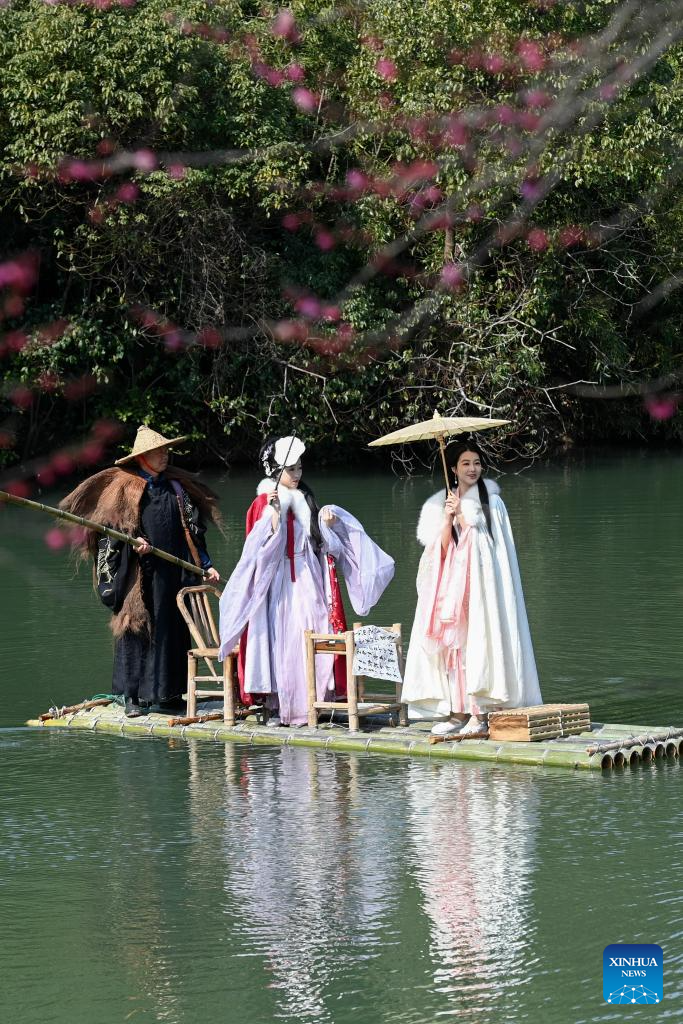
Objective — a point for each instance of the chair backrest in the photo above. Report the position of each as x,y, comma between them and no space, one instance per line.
195,608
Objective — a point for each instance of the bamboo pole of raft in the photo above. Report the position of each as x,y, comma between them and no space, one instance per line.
89,524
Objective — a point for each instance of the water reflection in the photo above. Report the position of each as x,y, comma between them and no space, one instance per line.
473,832
315,851
307,867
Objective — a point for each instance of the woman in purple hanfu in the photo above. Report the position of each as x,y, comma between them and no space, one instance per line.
285,582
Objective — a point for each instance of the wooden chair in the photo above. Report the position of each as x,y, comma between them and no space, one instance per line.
195,608
358,703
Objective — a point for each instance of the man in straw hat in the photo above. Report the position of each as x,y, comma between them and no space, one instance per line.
160,507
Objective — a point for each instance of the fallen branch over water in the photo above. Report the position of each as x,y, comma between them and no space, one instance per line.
213,716
73,708
459,738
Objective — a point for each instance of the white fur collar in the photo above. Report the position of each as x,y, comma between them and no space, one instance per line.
290,497
431,516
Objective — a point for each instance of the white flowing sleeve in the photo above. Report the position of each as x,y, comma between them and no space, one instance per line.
247,588
367,569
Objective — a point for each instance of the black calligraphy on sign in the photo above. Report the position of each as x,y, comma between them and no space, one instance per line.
376,654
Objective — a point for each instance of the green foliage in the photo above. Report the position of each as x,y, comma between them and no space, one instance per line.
207,248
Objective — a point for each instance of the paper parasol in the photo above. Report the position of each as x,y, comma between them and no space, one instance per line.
436,429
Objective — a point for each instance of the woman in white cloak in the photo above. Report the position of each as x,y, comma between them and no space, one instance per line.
286,582
470,648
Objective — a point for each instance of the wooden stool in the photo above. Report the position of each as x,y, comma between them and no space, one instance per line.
358,702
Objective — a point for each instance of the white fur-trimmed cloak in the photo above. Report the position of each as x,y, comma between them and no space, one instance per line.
470,647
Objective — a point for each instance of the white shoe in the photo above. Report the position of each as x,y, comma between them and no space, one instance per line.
446,728
474,728
273,722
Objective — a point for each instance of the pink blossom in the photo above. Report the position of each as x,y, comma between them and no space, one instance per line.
356,179
291,222
16,340
177,171
144,160
386,69
330,313
537,98
433,194
46,477
210,337
452,277
56,539
456,133
91,453
418,170
79,170
661,407
173,340
325,240
494,64
505,115
537,240
47,381
284,26
105,147
531,190
308,306
21,396
295,73
608,92
531,56
571,235
291,330
19,274
18,487
107,431
528,121
62,464
127,193
305,99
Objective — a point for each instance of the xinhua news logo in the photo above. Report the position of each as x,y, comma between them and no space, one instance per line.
633,974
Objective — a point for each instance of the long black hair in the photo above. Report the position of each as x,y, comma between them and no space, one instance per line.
453,452
272,470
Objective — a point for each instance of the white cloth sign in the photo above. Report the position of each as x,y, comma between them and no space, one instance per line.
375,653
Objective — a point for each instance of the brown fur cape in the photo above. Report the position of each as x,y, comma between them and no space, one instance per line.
112,498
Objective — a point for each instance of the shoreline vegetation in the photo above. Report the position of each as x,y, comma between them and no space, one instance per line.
202,204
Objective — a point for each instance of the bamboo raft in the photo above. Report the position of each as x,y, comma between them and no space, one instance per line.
601,748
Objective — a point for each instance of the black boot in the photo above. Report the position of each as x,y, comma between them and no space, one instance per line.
132,709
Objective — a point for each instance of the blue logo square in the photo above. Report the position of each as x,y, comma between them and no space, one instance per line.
633,974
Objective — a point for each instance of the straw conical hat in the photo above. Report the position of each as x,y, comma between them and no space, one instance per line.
147,440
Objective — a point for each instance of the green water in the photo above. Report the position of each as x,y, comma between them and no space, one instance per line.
185,883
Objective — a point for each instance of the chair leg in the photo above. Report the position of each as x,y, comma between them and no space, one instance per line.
228,691
351,688
191,686
310,679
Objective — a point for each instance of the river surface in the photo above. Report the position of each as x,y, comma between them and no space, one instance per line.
185,883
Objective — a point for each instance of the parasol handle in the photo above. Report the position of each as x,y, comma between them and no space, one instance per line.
442,449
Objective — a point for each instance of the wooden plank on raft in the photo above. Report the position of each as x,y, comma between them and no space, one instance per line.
540,722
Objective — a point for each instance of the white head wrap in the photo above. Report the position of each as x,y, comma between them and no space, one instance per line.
286,451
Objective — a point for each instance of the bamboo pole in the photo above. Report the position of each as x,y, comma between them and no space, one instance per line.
89,524
442,449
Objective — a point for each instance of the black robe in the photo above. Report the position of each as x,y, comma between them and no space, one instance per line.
152,667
